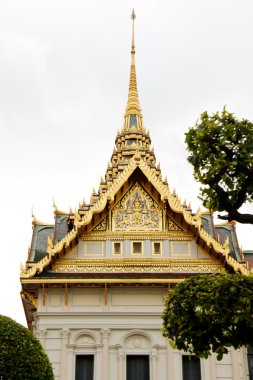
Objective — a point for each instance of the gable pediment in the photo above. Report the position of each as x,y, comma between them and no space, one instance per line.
137,202
137,211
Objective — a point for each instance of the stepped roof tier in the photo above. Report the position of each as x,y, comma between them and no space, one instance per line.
132,205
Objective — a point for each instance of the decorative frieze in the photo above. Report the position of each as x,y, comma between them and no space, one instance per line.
122,265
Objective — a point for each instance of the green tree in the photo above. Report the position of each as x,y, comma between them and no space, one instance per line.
221,152
210,313
21,354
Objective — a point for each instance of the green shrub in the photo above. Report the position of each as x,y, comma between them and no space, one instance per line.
21,354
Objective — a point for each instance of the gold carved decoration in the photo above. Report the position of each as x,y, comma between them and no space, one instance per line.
172,226
30,298
166,195
137,211
123,265
101,226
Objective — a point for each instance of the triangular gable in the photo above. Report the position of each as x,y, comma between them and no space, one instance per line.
193,221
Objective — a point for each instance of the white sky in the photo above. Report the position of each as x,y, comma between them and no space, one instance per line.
64,73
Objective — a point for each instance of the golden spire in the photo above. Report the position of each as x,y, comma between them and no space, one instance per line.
133,106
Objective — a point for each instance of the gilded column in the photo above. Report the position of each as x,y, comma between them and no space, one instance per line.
105,353
64,341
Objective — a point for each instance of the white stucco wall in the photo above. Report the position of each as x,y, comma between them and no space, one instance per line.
125,320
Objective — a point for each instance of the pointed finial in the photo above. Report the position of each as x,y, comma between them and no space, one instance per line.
133,17
54,205
133,106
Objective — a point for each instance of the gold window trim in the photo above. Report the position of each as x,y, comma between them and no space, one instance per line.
153,248
132,247
113,250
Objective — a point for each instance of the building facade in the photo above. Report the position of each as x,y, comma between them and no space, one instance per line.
94,282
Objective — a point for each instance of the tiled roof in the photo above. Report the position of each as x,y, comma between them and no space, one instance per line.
222,232
61,227
207,224
39,241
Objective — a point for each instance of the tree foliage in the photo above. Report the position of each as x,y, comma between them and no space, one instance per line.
221,152
210,313
21,354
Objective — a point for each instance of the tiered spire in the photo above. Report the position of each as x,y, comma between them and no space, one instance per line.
132,138
133,106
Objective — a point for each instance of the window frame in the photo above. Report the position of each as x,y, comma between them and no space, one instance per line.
113,248
82,355
132,247
153,248
147,356
190,374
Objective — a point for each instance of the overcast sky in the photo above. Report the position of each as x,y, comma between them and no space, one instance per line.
64,74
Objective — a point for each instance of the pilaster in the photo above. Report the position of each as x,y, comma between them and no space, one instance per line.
154,363
121,357
170,362
41,335
63,367
105,353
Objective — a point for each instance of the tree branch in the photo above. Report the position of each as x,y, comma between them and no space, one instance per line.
238,217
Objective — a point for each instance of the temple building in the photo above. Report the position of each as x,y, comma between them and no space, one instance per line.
94,283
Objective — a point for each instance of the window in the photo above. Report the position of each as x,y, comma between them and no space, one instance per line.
191,368
137,367
250,362
84,367
117,248
157,248
137,247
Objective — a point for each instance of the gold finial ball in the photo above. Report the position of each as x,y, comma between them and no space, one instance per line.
133,17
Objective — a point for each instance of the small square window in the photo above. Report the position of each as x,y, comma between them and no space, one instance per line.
157,249
117,248
137,247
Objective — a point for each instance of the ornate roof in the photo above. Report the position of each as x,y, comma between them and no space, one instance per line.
132,154
132,138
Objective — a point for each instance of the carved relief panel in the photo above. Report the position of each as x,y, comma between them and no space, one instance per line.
137,342
137,211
